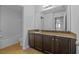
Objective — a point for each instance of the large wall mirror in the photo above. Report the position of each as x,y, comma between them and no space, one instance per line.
60,23
54,19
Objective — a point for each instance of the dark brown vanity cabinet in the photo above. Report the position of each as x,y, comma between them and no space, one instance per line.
52,44
62,45
31,39
38,41
47,43
72,46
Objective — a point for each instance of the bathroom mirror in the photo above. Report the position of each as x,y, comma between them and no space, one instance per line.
60,23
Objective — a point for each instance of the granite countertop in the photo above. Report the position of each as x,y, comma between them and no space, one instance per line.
61,34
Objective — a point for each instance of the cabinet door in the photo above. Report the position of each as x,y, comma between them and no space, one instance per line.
31,39
72,46
47,43
38,41
62,45
53,45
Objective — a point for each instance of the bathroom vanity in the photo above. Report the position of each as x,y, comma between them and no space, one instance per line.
53,42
